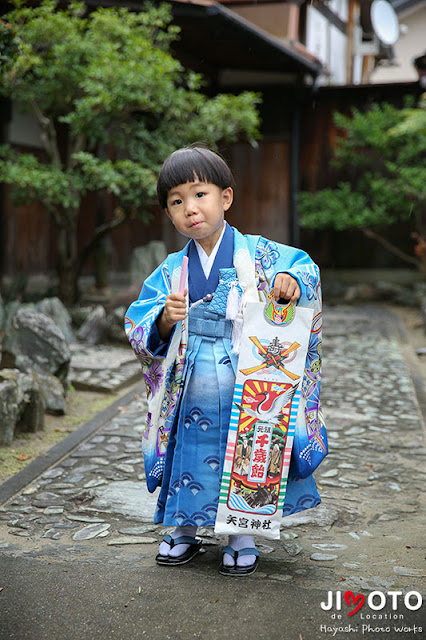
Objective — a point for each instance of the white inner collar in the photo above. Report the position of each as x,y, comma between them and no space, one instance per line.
207,261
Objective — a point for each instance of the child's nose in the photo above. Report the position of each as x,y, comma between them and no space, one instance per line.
191,207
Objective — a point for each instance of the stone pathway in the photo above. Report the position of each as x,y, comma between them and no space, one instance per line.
368,533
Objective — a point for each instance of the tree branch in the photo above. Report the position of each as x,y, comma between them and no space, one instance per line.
100,232
389,246
79,145
48,134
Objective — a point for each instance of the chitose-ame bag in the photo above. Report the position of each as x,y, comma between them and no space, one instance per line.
266,415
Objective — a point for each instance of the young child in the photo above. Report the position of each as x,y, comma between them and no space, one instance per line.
188,346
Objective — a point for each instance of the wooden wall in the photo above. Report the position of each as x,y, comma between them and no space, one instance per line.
29,238
262,176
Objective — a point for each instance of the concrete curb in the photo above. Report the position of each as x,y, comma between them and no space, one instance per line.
13,485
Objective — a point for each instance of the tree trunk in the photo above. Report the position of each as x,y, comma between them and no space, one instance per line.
68,258
101,257
101,253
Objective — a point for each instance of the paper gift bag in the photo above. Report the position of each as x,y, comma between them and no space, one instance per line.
265,405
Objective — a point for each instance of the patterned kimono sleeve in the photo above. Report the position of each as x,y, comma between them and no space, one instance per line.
141,316
273,258
162,369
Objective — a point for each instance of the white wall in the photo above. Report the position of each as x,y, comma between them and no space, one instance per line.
326,42
340,8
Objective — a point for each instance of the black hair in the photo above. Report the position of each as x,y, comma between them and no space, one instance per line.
188,165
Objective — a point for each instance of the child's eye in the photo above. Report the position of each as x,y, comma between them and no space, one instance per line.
200,194
176,202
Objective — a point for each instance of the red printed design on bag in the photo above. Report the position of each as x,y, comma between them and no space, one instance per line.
261,440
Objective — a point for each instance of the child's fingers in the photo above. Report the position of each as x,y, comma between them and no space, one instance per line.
286,287
175,307
278,286
296,293
293,291
176,301
176,297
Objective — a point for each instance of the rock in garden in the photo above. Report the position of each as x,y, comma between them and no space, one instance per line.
115,324
52,393
390,291
79,314
145,259
21,405
31,419
9,311
360,292
93,329
9,409
55,309
34,341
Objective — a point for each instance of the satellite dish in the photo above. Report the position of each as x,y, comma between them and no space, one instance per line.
379,18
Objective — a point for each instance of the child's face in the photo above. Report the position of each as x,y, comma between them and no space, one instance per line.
197,210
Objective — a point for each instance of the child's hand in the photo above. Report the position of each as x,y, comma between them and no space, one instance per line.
285,286
174,310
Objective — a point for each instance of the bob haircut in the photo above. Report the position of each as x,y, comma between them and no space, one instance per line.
190,164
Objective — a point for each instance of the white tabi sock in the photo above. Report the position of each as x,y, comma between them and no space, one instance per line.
238,543
179,549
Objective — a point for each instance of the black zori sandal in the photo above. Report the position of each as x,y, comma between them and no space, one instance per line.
239,571
191,552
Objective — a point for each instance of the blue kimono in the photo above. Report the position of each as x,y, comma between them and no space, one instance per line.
190,380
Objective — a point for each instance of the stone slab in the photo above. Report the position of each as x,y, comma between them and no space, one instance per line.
127,498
